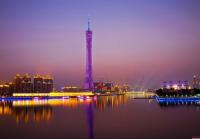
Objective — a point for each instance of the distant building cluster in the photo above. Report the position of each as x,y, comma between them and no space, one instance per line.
101,87
196,82
25,84
176,85
108,87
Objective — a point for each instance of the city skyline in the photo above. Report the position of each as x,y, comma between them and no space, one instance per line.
136,42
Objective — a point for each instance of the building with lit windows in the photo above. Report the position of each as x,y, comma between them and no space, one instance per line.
22,84
4,90
101,87
17,83
11,87
196,82
43,84
38,83
178,85
47,84
26,84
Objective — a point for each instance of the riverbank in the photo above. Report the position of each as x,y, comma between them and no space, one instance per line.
54,95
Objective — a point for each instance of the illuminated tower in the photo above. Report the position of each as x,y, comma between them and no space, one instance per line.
89,79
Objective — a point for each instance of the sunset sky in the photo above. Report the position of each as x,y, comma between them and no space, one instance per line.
139,42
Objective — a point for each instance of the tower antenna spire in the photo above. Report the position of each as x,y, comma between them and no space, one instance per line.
88,23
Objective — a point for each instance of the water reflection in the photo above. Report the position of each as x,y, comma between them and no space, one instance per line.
24,113
42,109
110,101
177,104
38,110
89,108
50,110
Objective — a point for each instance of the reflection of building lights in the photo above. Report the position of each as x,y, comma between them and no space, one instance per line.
95,97
177,100
53,94
87,97
35,98
53,102
42,109
67,97
30,94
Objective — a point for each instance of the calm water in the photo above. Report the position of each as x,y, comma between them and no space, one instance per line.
116,117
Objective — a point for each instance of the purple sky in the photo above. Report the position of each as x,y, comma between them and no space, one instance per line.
140,42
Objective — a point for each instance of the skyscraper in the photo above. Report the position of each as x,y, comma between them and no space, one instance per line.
18,83
89,78
26,84
196,82
43,84
47,84
38,84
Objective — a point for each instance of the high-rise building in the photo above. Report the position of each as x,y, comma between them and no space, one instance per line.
43,84
38,84
47,84
17,83
89,78
11,88
196,82
4,90
26,84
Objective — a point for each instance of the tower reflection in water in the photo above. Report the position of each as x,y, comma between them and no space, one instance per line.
42,109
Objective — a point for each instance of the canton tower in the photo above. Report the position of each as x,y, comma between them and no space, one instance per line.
89,78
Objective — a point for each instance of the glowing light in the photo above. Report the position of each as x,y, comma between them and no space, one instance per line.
29,94
95,97
172,100
69,87
87,97
4,85
54,102
53,94
66,97
71,94
135,93
175,86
